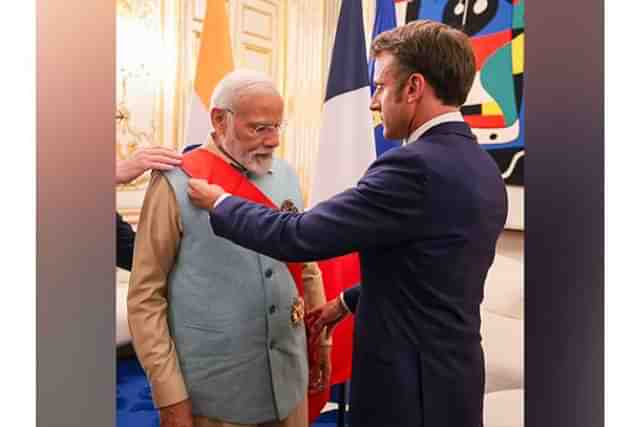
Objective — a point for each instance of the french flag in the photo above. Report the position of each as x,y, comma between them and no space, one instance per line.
346,145
346,149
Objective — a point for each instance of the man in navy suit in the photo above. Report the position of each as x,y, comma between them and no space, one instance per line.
425,219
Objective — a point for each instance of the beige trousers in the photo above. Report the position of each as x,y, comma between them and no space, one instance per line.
297,418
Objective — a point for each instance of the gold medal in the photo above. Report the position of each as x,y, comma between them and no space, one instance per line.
288,206
297,311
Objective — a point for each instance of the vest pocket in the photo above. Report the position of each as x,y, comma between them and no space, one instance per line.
200,344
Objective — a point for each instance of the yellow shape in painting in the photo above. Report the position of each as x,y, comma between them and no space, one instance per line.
491,109
377,119
517,49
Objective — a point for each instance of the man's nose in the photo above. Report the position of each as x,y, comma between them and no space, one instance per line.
272,140
374,105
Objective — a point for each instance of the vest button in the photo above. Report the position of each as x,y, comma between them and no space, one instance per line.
272,309
268,273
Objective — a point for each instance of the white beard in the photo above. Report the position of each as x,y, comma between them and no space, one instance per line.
259,165
253,161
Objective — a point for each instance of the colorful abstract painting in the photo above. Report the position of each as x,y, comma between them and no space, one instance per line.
495,106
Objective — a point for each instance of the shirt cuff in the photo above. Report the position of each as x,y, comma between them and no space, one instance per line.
170,391
220,199
344,305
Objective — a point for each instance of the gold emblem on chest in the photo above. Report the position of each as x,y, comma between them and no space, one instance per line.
297,311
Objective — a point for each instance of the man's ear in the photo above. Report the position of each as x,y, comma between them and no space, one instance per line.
416,85
218,120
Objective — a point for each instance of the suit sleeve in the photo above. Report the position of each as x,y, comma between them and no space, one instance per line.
125,237
385,209
351,297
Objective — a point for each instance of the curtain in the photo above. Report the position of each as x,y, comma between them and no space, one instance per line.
153,44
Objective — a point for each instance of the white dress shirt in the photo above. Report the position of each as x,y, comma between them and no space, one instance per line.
455,116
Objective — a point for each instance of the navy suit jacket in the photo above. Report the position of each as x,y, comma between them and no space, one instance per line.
425,219
125,239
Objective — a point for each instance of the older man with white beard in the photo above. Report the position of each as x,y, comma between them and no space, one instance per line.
219,329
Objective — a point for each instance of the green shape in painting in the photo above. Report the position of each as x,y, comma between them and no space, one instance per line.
518,15
497,79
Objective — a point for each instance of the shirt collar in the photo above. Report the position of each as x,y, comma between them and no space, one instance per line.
455,116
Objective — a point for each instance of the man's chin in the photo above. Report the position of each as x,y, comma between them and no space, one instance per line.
389,134
261,165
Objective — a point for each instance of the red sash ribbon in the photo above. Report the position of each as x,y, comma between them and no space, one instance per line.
204,164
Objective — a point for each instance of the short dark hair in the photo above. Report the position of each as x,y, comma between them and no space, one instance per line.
442,54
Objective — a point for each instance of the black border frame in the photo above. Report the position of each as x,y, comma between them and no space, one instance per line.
564,213
75,213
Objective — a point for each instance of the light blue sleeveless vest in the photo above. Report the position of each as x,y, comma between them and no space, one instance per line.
242,359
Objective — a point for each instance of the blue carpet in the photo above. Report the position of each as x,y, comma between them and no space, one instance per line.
134,406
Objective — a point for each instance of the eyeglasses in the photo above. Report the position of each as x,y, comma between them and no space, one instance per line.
262,130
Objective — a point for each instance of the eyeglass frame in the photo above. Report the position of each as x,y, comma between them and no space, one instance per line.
255,131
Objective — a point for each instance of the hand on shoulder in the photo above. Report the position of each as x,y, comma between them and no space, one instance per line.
145,158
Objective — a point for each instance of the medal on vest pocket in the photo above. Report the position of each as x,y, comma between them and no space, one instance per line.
297,311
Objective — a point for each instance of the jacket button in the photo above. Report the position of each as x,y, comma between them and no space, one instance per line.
272,345
268,273
272,309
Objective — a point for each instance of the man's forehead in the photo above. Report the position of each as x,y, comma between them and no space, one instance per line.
258,100
382,66
256,88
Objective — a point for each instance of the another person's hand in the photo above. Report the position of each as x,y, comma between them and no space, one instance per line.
177,415
143,159
329,315
320,370
203,194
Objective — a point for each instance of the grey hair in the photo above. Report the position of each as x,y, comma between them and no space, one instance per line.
232,84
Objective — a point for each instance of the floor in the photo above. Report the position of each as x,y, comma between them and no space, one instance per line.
134,407
504,304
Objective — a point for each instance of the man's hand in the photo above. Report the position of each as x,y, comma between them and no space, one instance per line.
203,194
177,415
143,159
329,315
320,369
